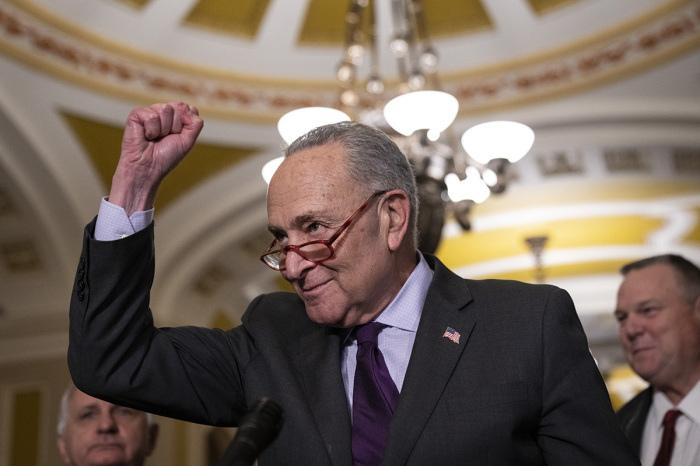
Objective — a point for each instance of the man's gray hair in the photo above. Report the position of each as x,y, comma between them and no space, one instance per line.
687,273
372,159
63,410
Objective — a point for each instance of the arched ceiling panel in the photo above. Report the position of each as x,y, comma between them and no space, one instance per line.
447,18
102,143
240,18
544,6
134,3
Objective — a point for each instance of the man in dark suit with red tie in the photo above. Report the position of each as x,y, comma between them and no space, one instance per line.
382,355
658,310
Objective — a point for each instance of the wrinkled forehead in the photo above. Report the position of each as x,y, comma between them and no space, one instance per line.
79,400
313,178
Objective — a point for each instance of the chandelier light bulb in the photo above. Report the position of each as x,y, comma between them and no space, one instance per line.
375,85
302,120
429,60
490,177
352,18
472,188
399,47
346,72
433,135
355,52
349,97
431,110
416,80
508,140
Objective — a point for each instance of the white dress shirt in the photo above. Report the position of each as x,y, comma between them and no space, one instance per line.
686,451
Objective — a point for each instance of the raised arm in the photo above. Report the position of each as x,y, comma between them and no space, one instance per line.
156,139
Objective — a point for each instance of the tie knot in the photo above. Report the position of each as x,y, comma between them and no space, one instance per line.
368,332
670,417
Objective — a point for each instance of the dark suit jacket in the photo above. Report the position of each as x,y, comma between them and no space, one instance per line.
520,387
633,416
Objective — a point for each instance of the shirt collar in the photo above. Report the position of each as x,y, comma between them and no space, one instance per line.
405,310
689,405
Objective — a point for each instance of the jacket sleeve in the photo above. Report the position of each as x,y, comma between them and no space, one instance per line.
117,354
577,421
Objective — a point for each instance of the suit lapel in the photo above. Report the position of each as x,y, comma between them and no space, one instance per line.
433,359
319,363
634,427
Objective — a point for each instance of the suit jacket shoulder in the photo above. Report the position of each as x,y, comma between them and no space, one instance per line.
519,386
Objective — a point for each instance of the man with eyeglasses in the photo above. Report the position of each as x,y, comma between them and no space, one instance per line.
381,356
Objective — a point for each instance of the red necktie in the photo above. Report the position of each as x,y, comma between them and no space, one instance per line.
663,458
374,398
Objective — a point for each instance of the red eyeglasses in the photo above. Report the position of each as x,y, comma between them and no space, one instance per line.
315,251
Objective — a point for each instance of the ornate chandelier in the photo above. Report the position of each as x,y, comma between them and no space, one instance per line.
417,115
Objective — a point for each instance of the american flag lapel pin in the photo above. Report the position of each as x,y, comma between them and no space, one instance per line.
452,334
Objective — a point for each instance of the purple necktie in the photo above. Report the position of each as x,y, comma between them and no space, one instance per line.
663,458
374,398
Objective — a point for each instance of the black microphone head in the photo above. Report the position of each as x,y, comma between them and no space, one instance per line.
256,431
266,415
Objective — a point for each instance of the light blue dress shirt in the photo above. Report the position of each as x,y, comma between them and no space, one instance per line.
395,341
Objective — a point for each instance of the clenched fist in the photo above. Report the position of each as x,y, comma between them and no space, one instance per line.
156,139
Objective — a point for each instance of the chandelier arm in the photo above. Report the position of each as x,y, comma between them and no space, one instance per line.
418,116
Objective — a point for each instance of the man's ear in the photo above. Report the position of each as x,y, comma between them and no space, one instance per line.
153,431
61,442
399,211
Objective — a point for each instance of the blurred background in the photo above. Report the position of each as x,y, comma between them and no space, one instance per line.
611,89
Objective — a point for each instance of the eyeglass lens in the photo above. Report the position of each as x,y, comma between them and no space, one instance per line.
312,252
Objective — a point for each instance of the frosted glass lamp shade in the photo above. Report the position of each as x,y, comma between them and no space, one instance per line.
431,110
270,168
472,188
298,122
508,140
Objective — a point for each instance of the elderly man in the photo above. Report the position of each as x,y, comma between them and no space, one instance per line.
381,356
658,310
92,432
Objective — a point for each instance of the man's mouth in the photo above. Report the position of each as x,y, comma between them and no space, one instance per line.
107,446
636,351
308,290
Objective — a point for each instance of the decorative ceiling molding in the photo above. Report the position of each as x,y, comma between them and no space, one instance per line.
615,55
40,40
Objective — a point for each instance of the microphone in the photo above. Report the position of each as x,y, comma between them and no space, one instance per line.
256,431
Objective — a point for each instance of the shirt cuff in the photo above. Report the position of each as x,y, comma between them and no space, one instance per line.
113,223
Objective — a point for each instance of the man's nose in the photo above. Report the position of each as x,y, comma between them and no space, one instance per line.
295,265
107,423
632,327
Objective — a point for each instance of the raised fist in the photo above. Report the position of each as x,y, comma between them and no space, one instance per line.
156,139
